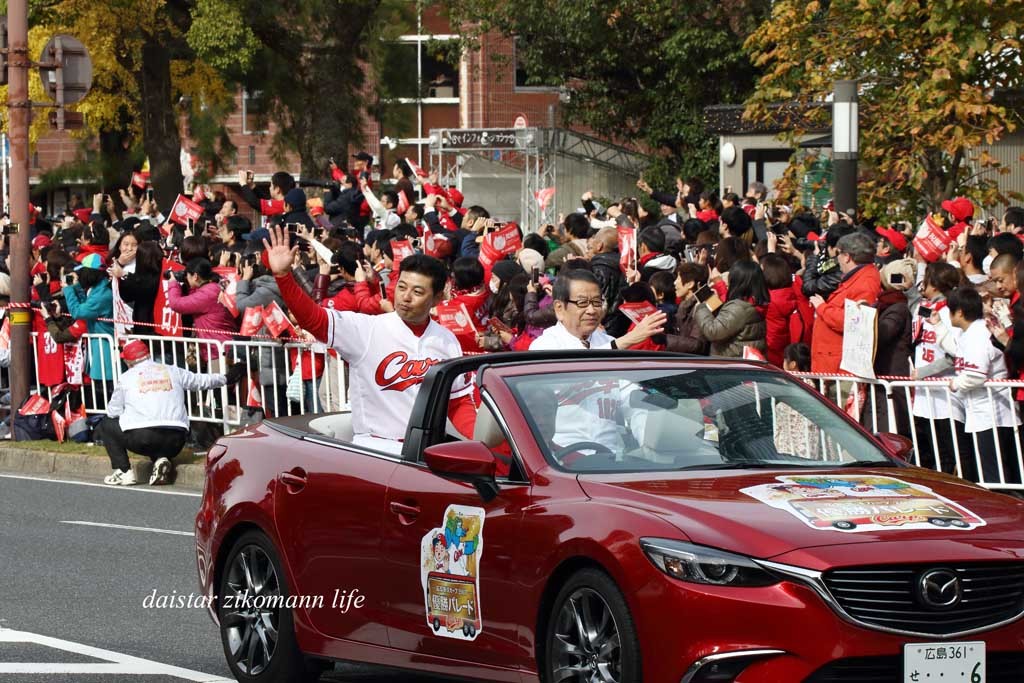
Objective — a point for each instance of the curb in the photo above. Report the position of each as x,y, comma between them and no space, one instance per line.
13,459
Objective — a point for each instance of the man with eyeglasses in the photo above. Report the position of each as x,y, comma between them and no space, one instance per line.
579,308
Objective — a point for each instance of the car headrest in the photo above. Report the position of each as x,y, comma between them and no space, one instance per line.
674,431
487,429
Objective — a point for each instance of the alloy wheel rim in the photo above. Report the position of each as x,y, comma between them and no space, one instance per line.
586,647
254,596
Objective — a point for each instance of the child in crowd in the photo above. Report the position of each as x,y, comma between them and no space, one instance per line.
988,413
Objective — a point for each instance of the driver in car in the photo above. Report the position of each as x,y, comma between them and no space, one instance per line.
388,354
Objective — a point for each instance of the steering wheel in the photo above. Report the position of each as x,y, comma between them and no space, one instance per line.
599,448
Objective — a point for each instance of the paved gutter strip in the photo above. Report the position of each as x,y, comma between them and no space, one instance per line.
25,461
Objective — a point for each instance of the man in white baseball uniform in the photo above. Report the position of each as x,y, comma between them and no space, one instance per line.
147,413
388,354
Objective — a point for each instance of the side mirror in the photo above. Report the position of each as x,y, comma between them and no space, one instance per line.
897,445
469,461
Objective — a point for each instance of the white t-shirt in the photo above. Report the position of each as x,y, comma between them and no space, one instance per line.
557,338
152,394
975,355
932,403
387,363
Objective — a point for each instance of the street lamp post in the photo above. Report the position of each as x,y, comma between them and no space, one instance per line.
845,145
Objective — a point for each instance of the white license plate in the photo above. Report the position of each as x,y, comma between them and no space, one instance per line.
953,662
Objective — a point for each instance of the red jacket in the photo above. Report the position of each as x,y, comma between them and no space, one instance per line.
863,284
781,312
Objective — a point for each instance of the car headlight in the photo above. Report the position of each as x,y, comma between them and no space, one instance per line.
700,564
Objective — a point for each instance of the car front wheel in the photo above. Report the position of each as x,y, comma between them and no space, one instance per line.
591,635
256,626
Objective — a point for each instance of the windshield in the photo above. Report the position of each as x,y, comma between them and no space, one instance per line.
674,419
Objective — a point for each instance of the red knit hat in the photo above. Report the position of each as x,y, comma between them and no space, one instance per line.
134,351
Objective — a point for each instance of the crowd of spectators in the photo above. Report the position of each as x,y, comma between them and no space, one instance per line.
727,276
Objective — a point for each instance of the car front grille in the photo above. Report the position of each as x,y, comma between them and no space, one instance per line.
889,597
1000,667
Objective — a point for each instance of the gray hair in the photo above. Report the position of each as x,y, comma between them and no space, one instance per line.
859,246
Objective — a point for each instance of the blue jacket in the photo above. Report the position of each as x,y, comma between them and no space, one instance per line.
98,303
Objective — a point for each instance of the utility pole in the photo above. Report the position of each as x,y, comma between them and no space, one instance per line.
19,109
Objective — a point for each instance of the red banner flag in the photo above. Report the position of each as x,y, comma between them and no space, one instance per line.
400,249
228,296
185,209
416,169
456,318
170,321
544,197
83,215
403,203
254,395
637,311
627,248
252,321
140,179
499,244
271,207
276,321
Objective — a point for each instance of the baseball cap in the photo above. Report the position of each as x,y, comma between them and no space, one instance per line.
134,350
94,261
959,208
296,199
455,196
40,241
364,156
257,235
896,238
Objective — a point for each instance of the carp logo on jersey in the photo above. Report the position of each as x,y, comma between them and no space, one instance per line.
397,373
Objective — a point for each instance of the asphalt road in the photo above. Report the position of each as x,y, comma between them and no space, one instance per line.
73,589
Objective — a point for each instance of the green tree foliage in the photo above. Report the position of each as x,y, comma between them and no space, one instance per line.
931,75
638,71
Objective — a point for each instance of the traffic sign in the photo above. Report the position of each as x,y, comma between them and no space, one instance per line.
65,69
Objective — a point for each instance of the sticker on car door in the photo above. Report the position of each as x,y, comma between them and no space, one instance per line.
450,558
853,503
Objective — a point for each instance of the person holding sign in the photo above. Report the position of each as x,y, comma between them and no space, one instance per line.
855,254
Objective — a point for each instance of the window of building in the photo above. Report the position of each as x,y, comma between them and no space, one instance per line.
524,79
252,112
764,165
415,68
252,154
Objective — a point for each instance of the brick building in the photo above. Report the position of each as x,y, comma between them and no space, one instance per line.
487,90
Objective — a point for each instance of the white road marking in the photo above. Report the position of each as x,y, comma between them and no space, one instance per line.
115,662
130,528
138,489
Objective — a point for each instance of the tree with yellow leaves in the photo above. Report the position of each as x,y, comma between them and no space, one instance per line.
931,78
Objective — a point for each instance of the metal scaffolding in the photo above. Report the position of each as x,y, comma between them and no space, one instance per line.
535,156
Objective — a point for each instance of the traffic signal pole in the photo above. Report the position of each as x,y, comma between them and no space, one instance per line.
18,110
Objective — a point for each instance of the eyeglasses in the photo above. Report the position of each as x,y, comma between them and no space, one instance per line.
587,303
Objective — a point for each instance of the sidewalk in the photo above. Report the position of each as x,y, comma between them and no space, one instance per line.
94,465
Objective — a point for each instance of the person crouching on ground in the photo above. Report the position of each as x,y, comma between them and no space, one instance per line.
147,413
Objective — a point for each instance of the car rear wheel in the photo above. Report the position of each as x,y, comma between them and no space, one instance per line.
256,626
591,635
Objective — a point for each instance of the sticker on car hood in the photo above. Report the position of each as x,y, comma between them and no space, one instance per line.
853,503
450,558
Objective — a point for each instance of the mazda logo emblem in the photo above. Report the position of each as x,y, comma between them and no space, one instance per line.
940,588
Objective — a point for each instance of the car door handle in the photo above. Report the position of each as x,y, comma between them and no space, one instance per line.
294,480
406,513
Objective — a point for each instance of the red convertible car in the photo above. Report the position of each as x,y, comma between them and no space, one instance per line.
616,517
